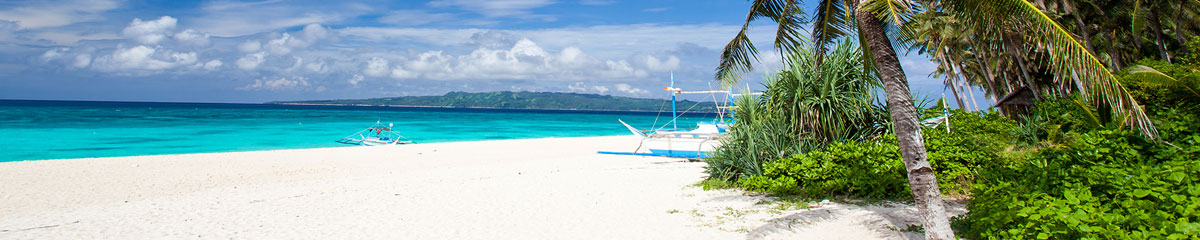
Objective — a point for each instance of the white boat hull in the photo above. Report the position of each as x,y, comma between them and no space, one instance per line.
681,147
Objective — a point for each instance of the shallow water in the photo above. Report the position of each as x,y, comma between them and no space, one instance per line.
38,130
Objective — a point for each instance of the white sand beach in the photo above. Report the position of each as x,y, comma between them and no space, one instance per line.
553,188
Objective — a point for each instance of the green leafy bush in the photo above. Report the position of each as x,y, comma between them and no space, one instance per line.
853,169
1105,184
874,169
974,140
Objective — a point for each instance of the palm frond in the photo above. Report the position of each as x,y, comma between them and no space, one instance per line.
739,54
830,22
1064,54
892,12
1154,77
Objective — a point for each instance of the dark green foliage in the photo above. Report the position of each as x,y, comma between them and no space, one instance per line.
1177,88
804,107
853,169
873,169
523,100
1105,184
1192,57
974,142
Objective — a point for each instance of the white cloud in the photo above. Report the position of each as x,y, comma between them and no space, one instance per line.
82,60
600,89
192,37
213,65
54,53
249,46
251,61
626,88
149,32
377,67
142,57
316,67
278,84
280,46
494,8
400,73
654,64
357,78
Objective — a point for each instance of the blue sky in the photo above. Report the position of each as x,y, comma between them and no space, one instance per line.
257,51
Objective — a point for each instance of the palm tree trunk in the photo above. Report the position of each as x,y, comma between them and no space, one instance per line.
1179,14
1013,49
991,81
950,78
1083,30
1158,39
970,90
1113,53
904,117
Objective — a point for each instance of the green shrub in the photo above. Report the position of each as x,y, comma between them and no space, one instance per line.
1105,184
853,169
874,169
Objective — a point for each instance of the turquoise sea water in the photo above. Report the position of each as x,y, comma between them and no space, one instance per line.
38,130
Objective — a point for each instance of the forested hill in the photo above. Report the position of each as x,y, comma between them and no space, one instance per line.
521,100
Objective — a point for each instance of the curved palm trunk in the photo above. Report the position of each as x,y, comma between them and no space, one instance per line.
904,117
1158,39
1013,49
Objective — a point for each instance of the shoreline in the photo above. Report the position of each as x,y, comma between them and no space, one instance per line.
547,188
303,148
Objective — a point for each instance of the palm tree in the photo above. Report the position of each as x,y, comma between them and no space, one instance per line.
872,20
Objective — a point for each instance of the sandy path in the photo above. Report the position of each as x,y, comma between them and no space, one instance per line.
535,188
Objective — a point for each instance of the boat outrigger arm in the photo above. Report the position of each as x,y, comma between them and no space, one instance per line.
698,142
376,135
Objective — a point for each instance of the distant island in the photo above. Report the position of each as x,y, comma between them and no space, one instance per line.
520,100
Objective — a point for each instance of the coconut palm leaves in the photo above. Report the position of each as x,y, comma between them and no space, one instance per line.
740,53
1066,56
1152,76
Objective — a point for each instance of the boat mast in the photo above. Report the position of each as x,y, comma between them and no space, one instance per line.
674,115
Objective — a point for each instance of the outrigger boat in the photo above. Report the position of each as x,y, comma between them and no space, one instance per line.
376,135
691,143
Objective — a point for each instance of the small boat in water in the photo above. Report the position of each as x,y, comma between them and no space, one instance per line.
691,143
376,135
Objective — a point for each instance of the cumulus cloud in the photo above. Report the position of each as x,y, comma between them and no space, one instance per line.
143,57
213,65
316,67
600,89
192,37
82,60
149,32
626,88
357,78
251,61
53,53
654,64
377,67
278,84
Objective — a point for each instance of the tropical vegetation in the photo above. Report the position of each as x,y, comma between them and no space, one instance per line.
1113,85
